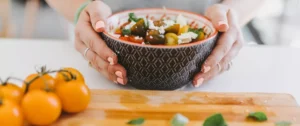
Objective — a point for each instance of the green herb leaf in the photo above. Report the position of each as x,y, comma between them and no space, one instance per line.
126,32
283,123
138,121
215,120
179,120
258,116
132,17
196,31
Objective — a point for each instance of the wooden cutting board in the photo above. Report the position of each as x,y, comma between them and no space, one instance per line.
117,107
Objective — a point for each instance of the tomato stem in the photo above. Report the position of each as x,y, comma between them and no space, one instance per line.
43,72
73,77
47,89
4,83
1,102
66,77
42,69
14,78
29,82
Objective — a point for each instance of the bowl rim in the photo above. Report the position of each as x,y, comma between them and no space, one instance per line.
214,35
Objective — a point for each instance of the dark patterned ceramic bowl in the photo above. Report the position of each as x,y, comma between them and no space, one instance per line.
157,67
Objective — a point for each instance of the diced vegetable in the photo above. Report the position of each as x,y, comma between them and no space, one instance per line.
258,116
138,121
154,38
184,29
126,32
171,39
132,17
215,120
173,29
139,28
179,120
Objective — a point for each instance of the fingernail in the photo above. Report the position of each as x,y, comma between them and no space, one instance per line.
119,74
110,60
120,80
199,82
100,25
115,82
223,26
206,69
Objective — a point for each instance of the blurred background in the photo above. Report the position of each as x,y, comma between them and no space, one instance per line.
277,24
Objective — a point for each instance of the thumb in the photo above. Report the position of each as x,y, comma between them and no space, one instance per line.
98,14
218,16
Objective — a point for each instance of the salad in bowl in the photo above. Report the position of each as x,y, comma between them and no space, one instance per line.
163,31
161,49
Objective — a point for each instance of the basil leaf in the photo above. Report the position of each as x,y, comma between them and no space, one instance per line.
179,120
283,123
138,121
132,17
126,32
215,120
258,116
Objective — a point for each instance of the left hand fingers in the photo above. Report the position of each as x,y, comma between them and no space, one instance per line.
218,14
223,45
200,78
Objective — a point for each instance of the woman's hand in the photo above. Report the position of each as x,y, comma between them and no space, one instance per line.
92,47
227,47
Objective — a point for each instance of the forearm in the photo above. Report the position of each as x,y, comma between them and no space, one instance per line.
245,9
67,8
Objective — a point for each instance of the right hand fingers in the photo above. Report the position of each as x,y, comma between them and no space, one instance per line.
85,32
116,73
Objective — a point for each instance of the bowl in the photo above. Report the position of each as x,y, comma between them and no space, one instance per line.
160,67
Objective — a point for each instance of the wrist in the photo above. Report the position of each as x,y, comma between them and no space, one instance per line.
80,9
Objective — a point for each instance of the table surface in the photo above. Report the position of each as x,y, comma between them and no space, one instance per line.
269,69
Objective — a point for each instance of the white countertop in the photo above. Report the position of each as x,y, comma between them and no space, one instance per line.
270,69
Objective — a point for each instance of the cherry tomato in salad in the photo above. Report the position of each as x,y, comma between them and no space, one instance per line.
135,39
171,39
173,29
184,29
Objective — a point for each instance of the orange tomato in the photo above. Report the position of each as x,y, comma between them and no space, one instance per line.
41,107
201,36
60,77
39,83
10,113
183,29
12,92
74,95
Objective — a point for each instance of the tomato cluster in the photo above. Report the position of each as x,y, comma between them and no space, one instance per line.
43,97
